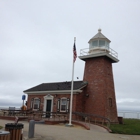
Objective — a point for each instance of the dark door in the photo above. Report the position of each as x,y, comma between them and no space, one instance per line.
48,108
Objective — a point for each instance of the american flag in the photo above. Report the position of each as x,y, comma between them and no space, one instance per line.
74,53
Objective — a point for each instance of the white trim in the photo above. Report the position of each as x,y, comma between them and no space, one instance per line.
33,103
55,92
67,105
48,97
58,105
61,104
114,59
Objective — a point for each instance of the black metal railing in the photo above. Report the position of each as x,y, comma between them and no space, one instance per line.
91,119
57,116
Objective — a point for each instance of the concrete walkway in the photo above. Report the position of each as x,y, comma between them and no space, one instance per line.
61,132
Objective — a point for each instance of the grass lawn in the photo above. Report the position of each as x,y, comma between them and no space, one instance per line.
130,126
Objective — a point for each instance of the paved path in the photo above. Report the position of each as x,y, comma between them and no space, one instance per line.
60,132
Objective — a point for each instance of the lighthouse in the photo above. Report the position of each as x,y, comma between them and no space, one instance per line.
100,91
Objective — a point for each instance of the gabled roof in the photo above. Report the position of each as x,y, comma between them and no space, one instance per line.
59,86
99,35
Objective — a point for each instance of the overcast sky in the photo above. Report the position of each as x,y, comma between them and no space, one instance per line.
36,42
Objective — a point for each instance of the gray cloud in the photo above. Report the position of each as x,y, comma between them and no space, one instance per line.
36,39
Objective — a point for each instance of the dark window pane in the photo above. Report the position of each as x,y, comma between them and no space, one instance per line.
35,106
63,107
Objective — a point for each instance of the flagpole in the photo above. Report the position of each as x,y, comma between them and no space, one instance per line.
70,115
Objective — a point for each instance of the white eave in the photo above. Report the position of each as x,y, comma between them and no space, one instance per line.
114,59
54,92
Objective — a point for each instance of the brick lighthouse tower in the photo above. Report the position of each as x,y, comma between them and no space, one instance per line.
98,73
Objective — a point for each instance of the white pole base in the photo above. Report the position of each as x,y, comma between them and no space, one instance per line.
69,125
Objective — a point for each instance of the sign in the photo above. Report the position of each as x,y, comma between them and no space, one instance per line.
23,97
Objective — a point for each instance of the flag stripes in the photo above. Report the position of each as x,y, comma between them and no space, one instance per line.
74,53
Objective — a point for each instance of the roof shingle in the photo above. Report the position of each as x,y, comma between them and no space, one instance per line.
58,86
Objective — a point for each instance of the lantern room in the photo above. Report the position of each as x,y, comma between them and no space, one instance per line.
99,45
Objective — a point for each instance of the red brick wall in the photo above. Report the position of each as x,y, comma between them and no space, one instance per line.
55,99
80,102
98,73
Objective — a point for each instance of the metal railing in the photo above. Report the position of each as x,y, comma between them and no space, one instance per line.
7,112
91,119
85,118
129,114
87,51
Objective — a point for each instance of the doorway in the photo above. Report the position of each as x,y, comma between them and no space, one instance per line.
48,108
48,105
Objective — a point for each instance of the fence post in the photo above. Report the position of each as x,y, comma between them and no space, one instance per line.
31,129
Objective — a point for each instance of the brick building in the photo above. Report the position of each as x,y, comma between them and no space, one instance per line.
95,94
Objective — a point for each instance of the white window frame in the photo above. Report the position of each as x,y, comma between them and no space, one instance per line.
63,104
33,103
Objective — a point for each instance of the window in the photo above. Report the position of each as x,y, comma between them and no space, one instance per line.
63,105
35,103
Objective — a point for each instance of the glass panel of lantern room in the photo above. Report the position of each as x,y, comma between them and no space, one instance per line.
101,43
90,45
107,44
94,43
